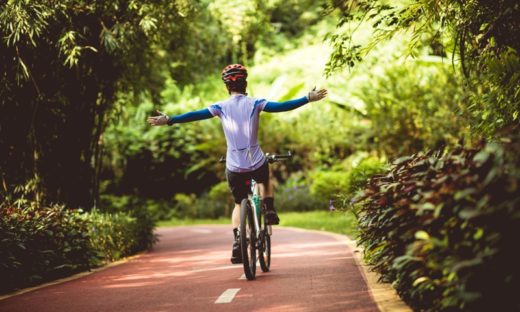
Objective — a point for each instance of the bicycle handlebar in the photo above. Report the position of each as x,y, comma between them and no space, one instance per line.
271,158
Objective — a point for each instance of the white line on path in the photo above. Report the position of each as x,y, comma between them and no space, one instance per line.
242,277
227,296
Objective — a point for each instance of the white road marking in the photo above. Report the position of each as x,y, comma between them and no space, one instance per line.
242,277
227,296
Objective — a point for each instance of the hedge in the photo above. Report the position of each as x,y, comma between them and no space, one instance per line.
443,228
38,244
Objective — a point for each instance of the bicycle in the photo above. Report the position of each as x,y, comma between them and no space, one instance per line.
254,232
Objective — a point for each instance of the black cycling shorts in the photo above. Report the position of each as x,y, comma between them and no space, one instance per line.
237,181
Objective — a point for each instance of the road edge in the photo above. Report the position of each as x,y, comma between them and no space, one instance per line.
384,295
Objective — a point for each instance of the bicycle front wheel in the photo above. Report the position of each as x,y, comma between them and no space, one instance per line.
248,239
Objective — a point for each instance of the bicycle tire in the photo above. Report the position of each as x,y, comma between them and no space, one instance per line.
248,239
264,249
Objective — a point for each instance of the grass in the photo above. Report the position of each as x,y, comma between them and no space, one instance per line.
179,222
336,222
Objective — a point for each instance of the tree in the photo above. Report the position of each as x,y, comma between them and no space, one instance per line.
482,36
63,68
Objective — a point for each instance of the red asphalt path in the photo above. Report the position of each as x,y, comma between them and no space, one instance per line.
189,269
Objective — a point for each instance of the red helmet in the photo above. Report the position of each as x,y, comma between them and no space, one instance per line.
234,72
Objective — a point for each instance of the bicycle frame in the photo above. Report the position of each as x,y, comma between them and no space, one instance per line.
255,200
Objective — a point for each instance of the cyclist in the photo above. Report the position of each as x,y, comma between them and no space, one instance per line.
239,115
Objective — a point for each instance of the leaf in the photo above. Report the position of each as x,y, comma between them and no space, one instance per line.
420,280
481,157
402,160
464,193
469,213
478,234
422,235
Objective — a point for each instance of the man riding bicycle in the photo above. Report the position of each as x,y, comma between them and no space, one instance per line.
239,115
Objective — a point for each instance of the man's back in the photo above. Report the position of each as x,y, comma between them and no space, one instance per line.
240,116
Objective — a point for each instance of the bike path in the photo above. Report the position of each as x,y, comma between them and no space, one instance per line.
189,270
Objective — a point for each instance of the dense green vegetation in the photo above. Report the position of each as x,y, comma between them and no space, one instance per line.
435,82
42,243
441,227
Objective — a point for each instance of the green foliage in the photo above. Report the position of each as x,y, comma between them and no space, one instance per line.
185,205
135,206
116,235
214,204
413,106
327,185
220,196
297,197
362,172
342,185
441,228
156,163
40,243
65,66
382,108
495,95
482,37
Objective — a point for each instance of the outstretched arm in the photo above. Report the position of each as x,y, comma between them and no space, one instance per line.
191,116
163,119
275,107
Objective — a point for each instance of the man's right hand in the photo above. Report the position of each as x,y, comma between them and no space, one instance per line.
160,120
316,95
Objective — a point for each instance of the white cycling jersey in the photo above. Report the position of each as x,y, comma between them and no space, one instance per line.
240,116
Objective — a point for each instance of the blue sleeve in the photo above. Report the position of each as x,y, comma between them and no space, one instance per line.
275,107
191,116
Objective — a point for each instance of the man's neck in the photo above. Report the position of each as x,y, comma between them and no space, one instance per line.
236,93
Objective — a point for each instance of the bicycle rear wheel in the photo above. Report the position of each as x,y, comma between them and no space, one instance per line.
248,239
264,248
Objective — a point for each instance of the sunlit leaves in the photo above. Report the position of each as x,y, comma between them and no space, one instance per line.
148,24
483,38
23,21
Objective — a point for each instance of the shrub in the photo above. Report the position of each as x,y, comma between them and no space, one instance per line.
358,177
297,198
326,185
143,212
360,174
341,186
38,244
221,199
185,205
44,243
444,228
147,208
116,235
